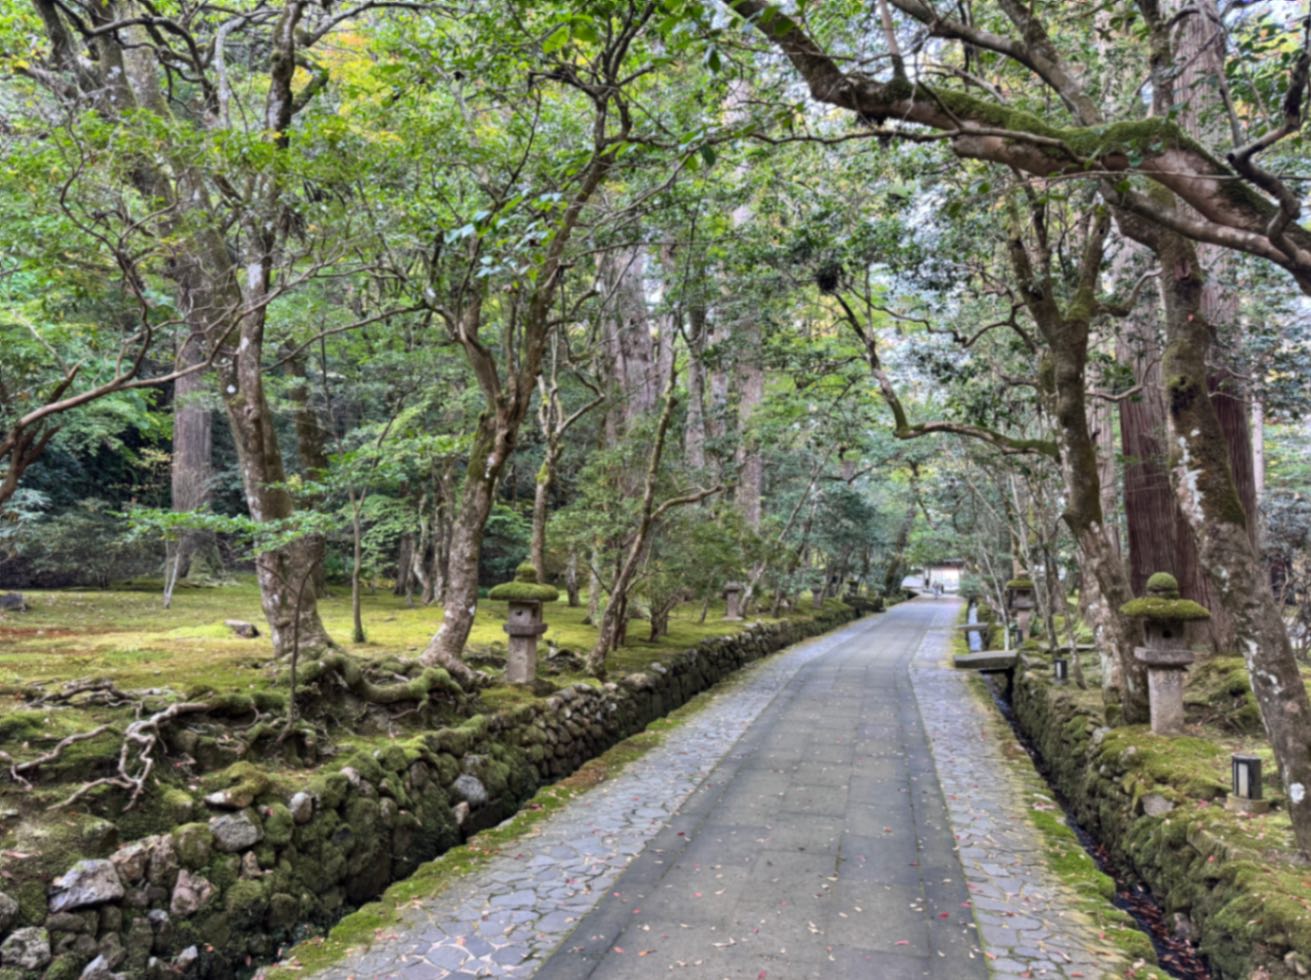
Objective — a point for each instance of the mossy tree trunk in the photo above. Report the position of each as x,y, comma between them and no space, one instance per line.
1210,499
1065,332
491,446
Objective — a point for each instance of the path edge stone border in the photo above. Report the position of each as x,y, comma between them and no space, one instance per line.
974,727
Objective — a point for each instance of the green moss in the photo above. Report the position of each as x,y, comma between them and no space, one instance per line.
1020,583
194,843
66,967
23,725
243,780
1163,584
223,871
1156,608
270,702
524,592
246,901
278,824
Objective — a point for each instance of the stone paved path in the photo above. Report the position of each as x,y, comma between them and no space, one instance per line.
793,828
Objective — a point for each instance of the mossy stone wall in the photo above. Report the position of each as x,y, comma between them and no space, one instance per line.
274,865
1157,805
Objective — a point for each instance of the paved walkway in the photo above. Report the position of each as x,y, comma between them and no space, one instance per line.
793,828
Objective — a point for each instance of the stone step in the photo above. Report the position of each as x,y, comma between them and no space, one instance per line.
986,660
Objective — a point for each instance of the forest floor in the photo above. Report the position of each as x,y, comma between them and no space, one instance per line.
125,634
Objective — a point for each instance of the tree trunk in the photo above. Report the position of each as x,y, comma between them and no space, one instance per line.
896,568
1211,501
357,562
289,609
571,578
1100,557
614,621
405,564
487,457
694,425
751,392
312,453
594,587
191,470
541,497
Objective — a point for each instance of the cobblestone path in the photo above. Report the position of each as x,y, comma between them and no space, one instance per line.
793,828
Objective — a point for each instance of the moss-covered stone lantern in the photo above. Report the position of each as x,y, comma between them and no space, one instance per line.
733,600
817,592
524,621
1164,615
853,588
1020,602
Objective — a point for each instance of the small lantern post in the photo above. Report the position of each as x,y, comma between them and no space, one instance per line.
524,622
733,601
1061,669
1246,794
817,593
1020,602
1164,615
853,588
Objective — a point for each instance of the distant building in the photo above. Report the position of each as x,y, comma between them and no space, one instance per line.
944,573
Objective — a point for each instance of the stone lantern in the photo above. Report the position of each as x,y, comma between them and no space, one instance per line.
1020,602
524,622
733,600
1164,616
817,593
853,588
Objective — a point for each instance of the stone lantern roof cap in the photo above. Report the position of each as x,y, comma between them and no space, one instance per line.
525,587
1162,602
1163,585
1023,582
1158,608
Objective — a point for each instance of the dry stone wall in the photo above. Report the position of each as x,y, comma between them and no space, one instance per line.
270,865
1164,822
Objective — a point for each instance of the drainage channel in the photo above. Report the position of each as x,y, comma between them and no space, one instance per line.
1177,957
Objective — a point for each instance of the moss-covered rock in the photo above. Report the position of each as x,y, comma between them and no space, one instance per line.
278,823
246,901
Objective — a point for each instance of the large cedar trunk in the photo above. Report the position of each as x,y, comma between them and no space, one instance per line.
1203,479
1083,513
694,425
191,468
1066,332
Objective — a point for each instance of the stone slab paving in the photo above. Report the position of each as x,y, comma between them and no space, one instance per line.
793,828
1024,914
502,920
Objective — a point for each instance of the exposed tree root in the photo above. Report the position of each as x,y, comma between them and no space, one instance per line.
16,769
136,759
